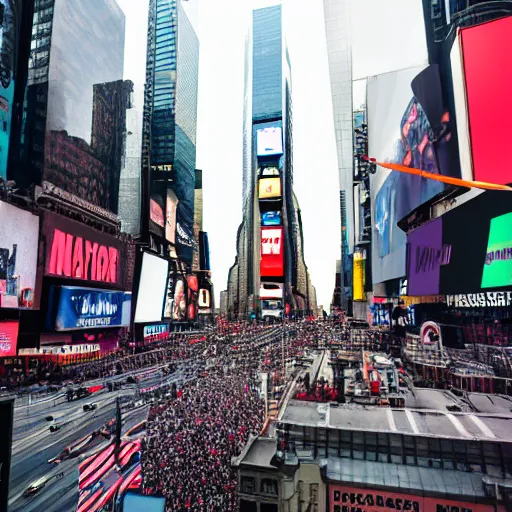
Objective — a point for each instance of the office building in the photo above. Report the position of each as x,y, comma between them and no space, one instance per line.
170,123
339,52
269,276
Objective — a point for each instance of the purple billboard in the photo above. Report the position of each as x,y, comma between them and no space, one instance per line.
426,255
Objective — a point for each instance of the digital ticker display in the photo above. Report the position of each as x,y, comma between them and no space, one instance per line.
497,269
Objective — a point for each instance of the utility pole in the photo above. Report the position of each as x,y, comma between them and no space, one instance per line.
118,431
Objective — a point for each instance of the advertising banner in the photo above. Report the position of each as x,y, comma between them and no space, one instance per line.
11,13
152,288
271,219
75,251
271,291
476,79
204,299
193,290
88,308
269,139
272,252
8,338
159,332
400,132
269,188
498,260
170,223
426,254
19,243
358,276
346,499
180,300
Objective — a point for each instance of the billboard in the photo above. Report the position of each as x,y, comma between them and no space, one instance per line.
152,288
179,312
343,498
271,291
8,338
402,108
11,13
271,219
152,333
269,188
426,255
476,79
193,290
170,216
498,260
73,308
272,252
269,139
75,251
204,299
358,277
19,242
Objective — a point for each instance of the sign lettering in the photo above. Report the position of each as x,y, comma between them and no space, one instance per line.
429,258
480,300
500,255
75,257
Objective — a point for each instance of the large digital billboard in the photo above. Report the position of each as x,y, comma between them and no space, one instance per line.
179,312
11,13
76,251
19,240
269,188
402,107
73,308
271,219
8,338
498,259
272,252
481,68
152,288
170,216
269,139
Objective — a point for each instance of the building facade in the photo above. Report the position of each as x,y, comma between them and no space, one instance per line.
271,275
339,52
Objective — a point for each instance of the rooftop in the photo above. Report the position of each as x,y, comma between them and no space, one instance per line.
427,422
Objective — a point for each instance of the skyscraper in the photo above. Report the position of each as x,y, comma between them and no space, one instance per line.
73,122
339,52
269,271
170,122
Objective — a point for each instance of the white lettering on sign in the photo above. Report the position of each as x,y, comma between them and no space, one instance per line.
480,300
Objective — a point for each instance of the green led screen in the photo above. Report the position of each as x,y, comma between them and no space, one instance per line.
498,259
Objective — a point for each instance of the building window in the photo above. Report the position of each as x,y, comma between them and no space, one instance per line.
248,506
268,507
269,486
247,485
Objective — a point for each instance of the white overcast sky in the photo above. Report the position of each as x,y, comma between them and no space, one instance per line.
387,35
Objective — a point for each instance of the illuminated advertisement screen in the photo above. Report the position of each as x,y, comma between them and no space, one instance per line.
158,332
88,308
269,171
193,290
8,338
180,300
498,260
400,131
269,188
19,240
152,288
488,78
272,252
271,291
204,298
269,140
170,216
271,219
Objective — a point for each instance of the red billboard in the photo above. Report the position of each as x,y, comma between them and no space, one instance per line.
8,338
272,252
487,68
75,251
345,499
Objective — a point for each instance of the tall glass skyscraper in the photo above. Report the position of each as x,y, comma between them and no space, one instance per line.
170,124
269,241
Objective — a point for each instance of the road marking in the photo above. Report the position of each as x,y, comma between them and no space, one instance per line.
391,420
486,431
412,421
458,425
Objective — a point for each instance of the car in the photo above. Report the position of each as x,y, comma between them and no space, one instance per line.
55,427
35,487
90,407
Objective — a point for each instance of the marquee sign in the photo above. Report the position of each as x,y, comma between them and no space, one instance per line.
480,300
